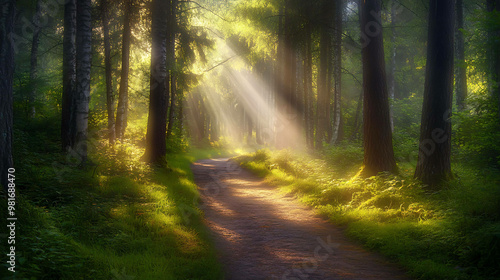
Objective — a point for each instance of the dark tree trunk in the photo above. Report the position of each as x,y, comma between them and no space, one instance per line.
308,94
6,100
338,127
279,79
83,67
158,99
34,60
392,69
356,125
173,106
433,165
69,75
172,25
461,67
122,109
378,150
108,71
287,95
323,102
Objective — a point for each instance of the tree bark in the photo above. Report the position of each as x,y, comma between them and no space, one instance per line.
392,74
461,67
279,78
323,102
69,75
433,165
172,25
308,98
378,149
6,99
108,71
83,67
157,119
354,135
34,60
338,128
122,109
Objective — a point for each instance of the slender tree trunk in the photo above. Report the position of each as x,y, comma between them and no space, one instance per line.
122,109
356,125
338,127
433,165
6,100
249,129
172,67
378,154
323,102
392,74
279,79
461,67
308,107
34,60
158,99
69,75
83,66
108,71
173,106
288,109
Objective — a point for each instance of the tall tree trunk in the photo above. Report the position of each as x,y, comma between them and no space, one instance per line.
378,154
157,119
172,25
122,109
34,60
354,135
69,75
308,98
323,102
249,129
173,106
108,71
279,78
392,69
338,127
287,108
433,165
6,101
83,67
461,67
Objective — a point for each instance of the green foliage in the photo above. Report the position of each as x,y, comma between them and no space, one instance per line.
349,154
406,134
476,132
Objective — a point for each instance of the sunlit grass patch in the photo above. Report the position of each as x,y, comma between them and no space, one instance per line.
122,186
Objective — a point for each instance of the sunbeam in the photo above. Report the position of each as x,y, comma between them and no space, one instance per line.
238,103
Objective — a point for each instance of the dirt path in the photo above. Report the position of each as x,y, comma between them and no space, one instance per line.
262,234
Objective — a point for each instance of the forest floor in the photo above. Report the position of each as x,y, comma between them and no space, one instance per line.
261,233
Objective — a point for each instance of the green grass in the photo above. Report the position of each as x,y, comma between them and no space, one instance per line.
117,219
451,234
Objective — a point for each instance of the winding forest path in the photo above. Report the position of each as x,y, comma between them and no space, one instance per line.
262,234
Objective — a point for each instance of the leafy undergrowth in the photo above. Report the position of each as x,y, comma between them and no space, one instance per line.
451,234
116,219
